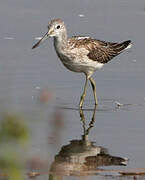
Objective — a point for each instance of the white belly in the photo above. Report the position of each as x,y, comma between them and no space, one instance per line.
77,61
88,68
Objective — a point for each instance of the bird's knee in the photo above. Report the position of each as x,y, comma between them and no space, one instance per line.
83,96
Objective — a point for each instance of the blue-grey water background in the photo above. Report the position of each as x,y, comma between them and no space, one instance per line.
24,72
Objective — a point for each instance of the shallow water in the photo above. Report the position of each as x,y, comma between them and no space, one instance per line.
25,72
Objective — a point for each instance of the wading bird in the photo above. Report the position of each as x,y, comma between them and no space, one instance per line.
82,54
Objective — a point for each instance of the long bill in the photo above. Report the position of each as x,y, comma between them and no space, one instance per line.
41,40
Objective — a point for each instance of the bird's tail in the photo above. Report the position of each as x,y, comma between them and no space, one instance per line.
122,46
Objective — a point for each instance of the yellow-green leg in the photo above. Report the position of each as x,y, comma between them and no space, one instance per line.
94,89
84,93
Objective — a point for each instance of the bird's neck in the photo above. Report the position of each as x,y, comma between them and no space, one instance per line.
60,42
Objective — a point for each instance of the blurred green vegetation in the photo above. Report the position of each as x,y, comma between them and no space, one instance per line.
13,128
13,137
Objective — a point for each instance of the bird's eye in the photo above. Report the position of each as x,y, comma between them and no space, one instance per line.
58,27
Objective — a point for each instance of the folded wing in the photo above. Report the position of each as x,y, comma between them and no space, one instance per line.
98,50
105,51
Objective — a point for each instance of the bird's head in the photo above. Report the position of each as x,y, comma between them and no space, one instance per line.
56,28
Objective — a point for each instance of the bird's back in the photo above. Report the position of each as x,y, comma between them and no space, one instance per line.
97,50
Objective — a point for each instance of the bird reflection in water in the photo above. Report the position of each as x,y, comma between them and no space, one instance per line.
82,157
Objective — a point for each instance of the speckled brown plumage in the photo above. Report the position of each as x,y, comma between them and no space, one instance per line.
99,51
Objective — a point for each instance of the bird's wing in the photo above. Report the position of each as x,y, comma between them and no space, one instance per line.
99,51
105,51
